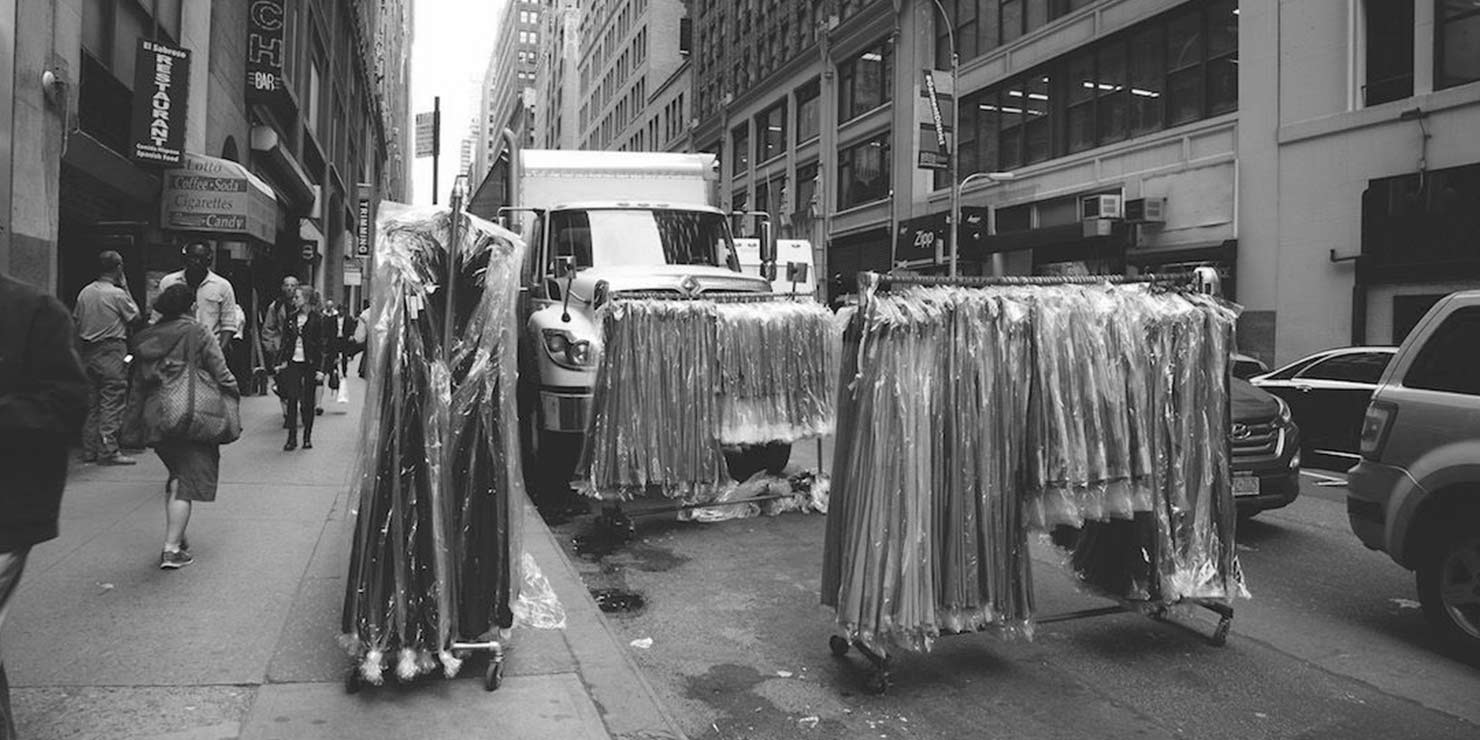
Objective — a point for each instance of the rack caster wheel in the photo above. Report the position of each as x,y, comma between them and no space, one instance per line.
1220,633
493,676
877,683
838,645
352,680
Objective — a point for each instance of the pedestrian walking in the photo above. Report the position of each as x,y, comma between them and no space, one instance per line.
341,328
302,365
214,298
43,400
272,330
105,310
177,346
362,336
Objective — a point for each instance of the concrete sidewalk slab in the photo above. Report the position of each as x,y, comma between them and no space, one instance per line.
533,708
100,643
132,713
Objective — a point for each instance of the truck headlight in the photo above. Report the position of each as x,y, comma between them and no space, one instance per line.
567,351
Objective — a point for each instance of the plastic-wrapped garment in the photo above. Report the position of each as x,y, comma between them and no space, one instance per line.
1205,562
655,412
432,559
1098,407
678,379
925,531
776,373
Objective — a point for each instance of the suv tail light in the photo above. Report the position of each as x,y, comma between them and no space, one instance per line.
1375,428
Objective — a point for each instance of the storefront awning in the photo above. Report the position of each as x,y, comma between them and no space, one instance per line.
219,197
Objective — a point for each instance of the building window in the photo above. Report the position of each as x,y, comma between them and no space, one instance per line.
808,97
1456,43
1164,72
863,172
770,138
865,81
739,148
979,26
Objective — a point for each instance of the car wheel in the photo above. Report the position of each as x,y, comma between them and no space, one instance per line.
1449,589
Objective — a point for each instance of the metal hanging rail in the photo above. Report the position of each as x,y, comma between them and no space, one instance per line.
659,295
886,280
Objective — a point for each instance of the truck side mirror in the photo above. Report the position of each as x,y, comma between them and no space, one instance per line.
564,265
796,272
768,250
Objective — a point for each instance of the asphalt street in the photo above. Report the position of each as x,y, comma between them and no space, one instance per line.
1332,644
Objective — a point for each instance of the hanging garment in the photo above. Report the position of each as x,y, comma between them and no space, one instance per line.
680,379
438,489
968,415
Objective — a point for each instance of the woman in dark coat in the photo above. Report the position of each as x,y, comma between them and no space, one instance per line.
195,467
301,364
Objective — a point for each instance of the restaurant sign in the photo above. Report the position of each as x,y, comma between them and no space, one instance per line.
161,94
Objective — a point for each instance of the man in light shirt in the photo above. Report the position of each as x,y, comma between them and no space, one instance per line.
105,309
215,299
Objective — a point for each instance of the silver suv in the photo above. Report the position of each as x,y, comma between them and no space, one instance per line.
1416,493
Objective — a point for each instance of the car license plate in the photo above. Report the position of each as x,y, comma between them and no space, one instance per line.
1245,484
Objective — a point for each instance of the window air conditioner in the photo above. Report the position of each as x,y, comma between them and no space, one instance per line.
1099,206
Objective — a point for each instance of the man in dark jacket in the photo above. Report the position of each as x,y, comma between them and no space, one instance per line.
43,400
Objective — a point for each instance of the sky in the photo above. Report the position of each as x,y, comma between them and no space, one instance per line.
449,54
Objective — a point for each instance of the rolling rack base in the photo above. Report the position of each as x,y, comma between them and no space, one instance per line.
617,522
493,673
879,678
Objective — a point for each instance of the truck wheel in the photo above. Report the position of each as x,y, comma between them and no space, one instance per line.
553,466
751,459
1449,589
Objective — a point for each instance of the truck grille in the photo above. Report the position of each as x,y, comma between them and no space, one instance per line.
1261,439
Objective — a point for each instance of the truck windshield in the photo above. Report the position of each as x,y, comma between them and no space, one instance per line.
639,236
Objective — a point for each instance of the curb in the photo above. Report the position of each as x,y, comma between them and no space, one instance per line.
613,678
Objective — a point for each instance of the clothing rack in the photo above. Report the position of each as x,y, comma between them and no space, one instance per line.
614,519
879,679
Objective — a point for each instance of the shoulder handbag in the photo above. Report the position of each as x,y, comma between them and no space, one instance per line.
191,405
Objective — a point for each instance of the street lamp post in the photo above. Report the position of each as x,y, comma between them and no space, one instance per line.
997,267
955,154
955,157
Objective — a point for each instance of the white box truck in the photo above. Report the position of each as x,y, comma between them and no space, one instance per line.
601,223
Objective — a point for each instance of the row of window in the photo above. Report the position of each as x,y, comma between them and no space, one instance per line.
1390,29
627,63
656,137
979,26
625,17
629,107
1174,69
733,56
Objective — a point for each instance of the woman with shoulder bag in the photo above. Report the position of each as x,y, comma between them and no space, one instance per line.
301,366
184,404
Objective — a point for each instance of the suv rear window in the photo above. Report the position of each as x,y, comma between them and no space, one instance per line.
1447,361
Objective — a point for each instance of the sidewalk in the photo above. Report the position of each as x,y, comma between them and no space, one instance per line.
101,643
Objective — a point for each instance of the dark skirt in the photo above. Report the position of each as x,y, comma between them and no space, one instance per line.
194,466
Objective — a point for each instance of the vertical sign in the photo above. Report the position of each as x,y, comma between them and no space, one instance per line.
362,223
935,145
265,49
426,135
161,91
